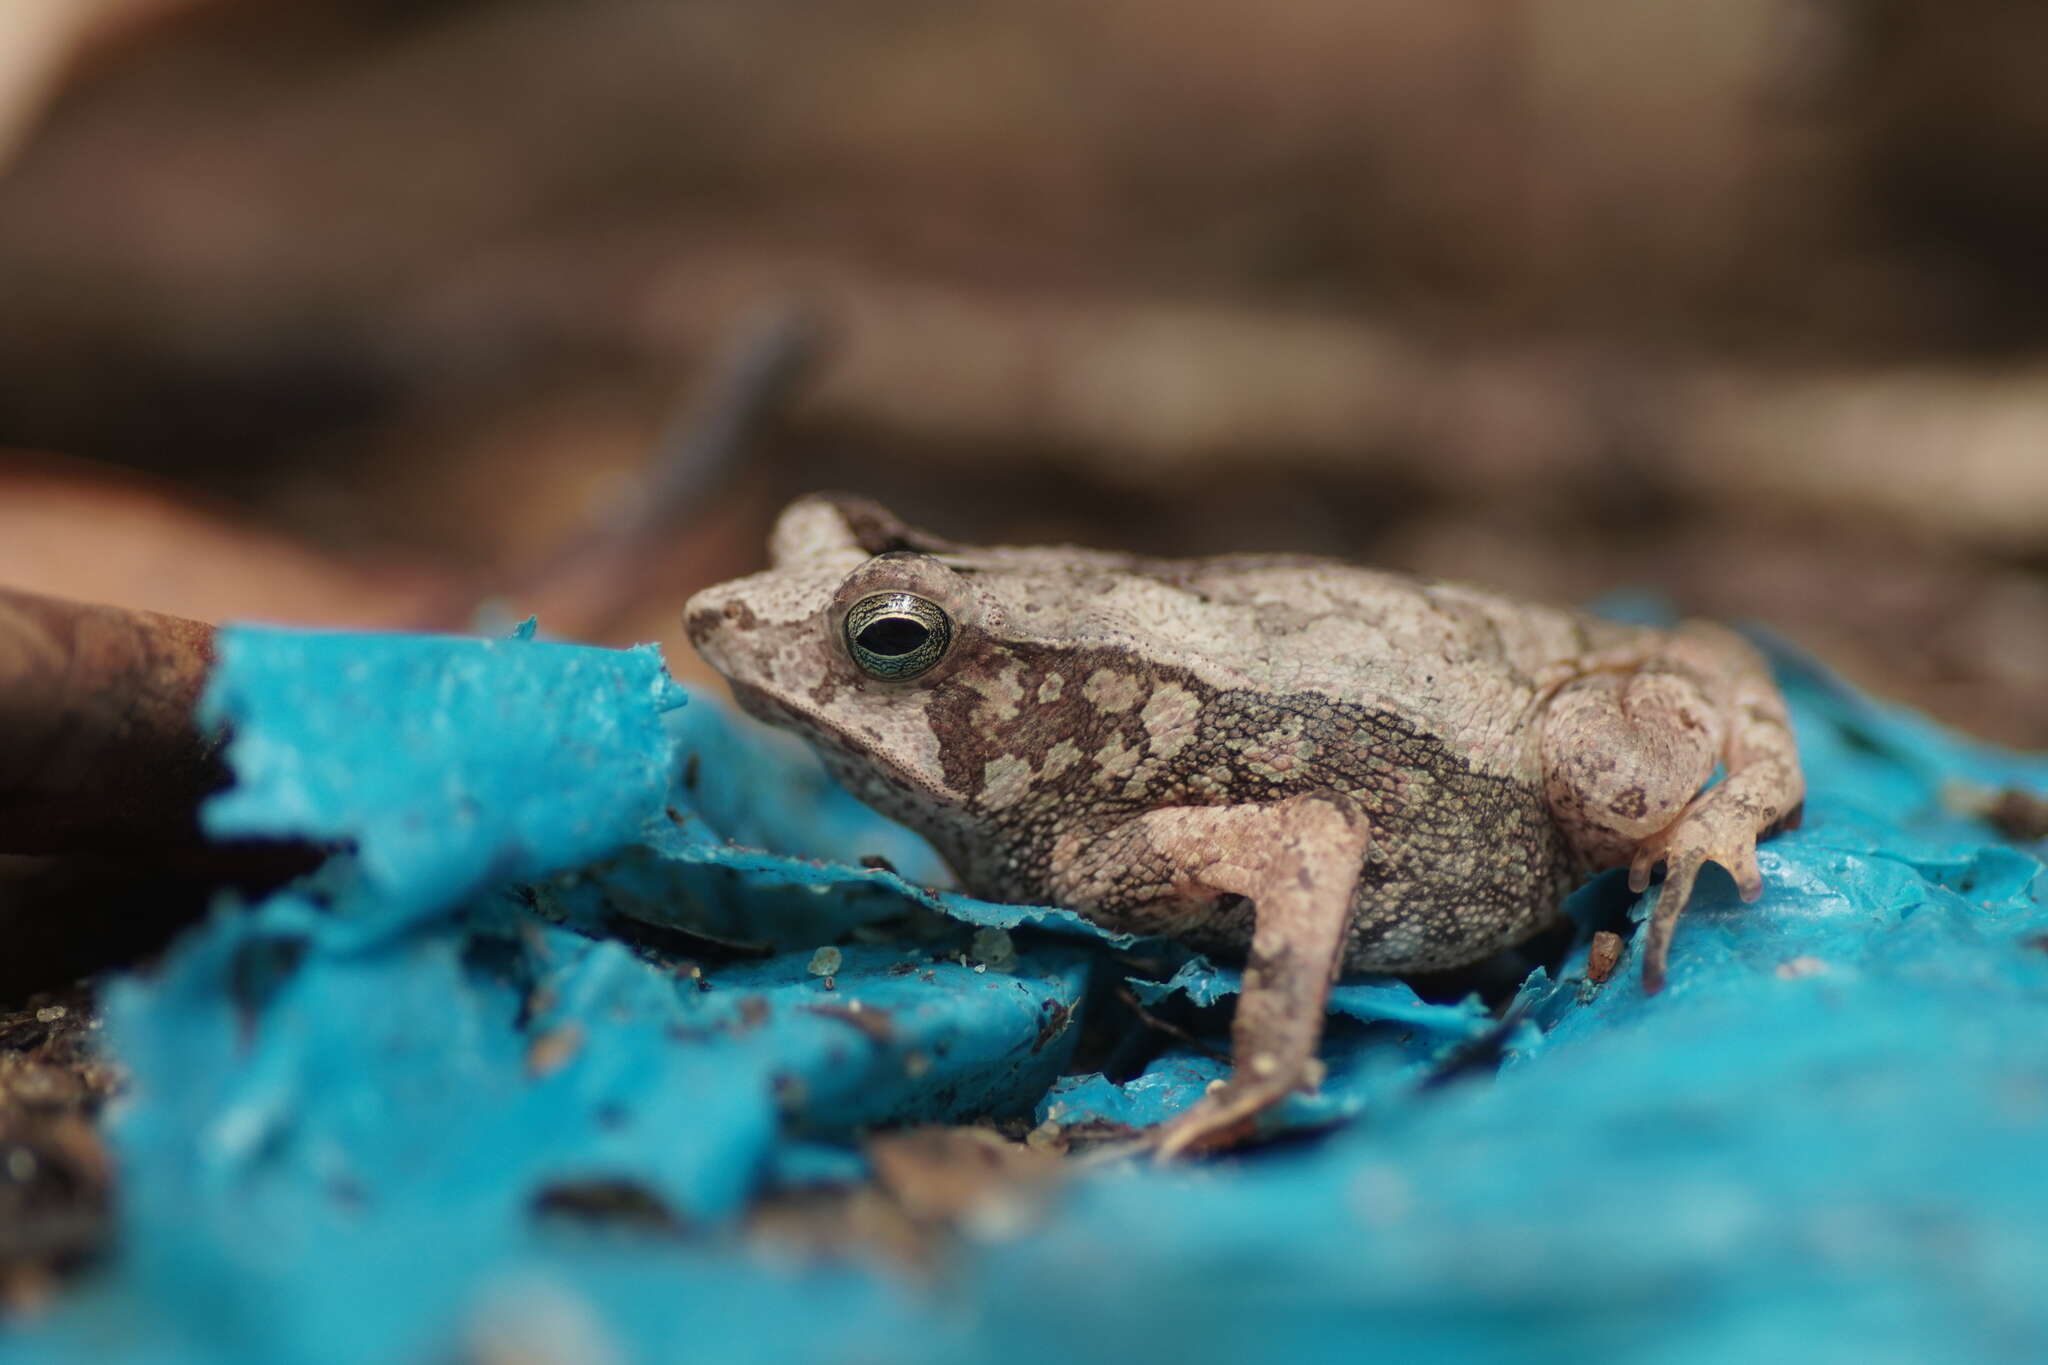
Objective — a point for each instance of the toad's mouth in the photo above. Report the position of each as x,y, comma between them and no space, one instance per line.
861,766
775,709
772,708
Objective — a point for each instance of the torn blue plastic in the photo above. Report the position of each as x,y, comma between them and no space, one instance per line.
1823,1141
378,740
759,844
1370,1001
1382,1039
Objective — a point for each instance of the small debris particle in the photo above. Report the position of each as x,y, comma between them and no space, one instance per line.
54,1203
1095,1135
622,1204
916,1065
1047,1137
876,862
1057,1014
50,1014
970,1178
980,968
1800,967
2020,816
1603,956
753,1011
992,948
551,1052
876,1024
831,983
826,961
845,1223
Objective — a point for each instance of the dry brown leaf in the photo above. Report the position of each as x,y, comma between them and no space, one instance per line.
88,532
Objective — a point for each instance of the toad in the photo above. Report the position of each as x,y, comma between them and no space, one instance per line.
1313,768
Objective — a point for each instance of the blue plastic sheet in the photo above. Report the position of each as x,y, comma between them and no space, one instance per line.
1823,1141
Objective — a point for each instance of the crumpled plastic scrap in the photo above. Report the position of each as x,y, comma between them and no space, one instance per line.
381,741
352,1102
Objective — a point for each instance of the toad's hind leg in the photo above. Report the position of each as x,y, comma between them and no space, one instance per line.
1625,755
1297,861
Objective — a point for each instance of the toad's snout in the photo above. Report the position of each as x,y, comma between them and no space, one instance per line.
713,618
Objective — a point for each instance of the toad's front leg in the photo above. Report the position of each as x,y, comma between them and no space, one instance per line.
1297,861
1626,753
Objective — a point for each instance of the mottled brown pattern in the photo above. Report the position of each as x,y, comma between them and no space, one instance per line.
1632,804
1464,860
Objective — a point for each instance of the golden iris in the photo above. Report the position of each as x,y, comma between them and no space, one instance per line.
897,635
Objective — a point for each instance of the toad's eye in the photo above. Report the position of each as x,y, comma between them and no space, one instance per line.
897,635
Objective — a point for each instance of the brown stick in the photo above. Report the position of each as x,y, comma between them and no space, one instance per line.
98,738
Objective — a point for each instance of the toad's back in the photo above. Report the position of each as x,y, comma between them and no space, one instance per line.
1457,663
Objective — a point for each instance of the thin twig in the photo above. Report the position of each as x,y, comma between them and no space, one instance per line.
1173,1031
583,586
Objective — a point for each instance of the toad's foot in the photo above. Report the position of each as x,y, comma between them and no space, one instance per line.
1626,753
1224,1117
1720,826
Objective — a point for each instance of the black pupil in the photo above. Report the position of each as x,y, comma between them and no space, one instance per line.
893,635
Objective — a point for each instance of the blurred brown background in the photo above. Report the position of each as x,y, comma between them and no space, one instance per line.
338,310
